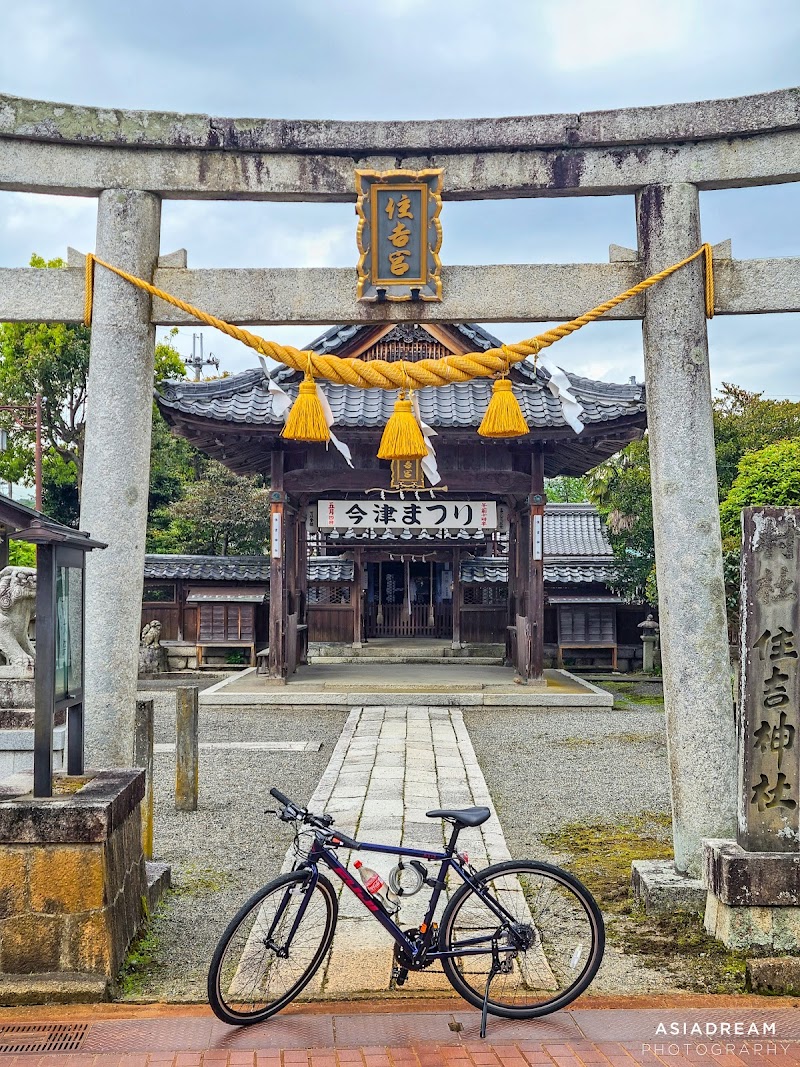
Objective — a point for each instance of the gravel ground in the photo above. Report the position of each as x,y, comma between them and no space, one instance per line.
544,768
547,768
228,848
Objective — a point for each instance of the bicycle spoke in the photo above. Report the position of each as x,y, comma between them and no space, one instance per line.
273,950
543,953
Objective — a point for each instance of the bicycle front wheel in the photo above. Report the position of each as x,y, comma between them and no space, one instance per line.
545,946
271,948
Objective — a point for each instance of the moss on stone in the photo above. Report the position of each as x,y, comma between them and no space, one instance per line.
601,854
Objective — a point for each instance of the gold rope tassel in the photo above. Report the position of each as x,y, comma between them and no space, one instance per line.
402,437
306,419
503,416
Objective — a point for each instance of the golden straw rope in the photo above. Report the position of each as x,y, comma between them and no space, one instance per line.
401,374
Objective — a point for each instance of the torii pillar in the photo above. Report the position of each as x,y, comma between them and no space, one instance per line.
116,469
701,740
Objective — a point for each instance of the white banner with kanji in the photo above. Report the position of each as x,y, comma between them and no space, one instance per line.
407,514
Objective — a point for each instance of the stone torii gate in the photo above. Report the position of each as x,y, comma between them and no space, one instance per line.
131,161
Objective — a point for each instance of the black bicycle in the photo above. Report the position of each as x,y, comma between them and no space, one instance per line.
517,939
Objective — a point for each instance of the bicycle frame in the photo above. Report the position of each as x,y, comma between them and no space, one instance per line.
415,950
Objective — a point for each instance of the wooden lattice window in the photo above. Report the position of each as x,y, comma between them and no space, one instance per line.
587,624
485,595
328,593
226,622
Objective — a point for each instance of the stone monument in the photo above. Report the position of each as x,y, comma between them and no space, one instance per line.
754,882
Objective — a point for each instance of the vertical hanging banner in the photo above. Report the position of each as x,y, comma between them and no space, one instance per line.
399,235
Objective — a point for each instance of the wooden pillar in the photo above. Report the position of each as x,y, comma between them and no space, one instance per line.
513,593
302,583
379,614
407,590
456,598
358,571
535,600
277,581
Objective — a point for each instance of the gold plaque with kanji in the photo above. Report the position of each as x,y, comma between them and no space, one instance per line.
407,474
399,235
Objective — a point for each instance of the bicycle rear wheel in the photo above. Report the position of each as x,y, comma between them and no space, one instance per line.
263,960
548,950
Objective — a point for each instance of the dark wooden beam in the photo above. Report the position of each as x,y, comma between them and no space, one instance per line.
535,610
277,583
474,483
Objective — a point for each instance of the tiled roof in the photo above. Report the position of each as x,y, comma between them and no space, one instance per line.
495,569
339,336
330,569
575,530
576,550
244,399
578,574
207,568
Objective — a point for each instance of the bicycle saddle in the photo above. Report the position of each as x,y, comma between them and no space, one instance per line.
461,816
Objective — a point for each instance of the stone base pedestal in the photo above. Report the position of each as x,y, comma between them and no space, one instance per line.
180,655
753,901
659,888
72,880
16,750
152,659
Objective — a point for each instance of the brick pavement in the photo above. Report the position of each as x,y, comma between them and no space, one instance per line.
592,1037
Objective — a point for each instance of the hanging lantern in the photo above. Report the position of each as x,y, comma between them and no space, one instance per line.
402,438
306,420
503,416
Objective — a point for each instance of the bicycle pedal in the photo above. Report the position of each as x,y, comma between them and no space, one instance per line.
399,975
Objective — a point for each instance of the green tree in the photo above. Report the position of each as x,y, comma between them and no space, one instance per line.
620,489
769,476
220,514
746,422
21,554
52,360
566,490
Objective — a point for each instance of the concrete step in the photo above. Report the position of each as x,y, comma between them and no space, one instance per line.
472,661
402,651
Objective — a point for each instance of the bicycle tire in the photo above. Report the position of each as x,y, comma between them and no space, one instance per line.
585,910
222,995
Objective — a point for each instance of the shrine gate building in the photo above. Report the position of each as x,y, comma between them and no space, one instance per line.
395,555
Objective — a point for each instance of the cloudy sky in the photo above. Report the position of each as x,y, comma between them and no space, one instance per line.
418,59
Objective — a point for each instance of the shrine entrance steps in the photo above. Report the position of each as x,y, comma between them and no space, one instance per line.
408,650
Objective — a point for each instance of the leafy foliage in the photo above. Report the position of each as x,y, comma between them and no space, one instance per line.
746,422
53,361
21,554
565,490
751,467
769,476
220,514
620,489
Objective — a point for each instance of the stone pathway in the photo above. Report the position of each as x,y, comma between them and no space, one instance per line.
390,766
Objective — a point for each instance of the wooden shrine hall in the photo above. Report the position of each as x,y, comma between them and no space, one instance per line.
409,538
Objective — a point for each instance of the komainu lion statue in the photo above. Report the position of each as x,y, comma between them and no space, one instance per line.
17,601
151,634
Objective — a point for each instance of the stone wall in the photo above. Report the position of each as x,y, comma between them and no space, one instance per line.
72,878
